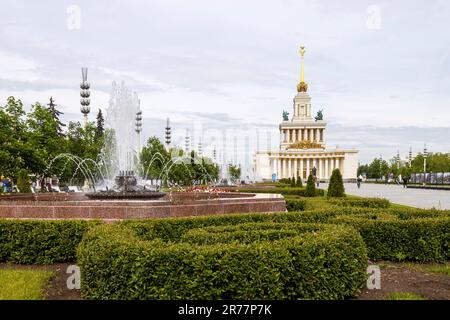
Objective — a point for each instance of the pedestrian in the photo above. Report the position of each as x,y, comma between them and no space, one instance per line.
358,181
405,182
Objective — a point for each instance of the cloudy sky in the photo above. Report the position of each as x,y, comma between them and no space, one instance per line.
379,69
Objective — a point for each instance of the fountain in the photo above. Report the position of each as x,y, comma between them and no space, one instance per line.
121,118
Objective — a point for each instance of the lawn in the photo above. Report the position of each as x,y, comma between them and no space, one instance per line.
23,284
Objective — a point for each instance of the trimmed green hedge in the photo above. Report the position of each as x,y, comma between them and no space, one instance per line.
379,220
280,262
284,191
364,202
295,205
41,242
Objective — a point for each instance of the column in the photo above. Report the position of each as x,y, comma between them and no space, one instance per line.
278,168
338,164
307,168
290,167
321,134
295,135
319,169
274,165
295,168
326,169
301,168
311,137
285,168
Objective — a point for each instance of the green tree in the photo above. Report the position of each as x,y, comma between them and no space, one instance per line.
299,182
336,185
293,182
100,124
56,114
23,181
310,187
235,172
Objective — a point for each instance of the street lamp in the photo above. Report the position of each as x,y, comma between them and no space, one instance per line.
381,160
425,154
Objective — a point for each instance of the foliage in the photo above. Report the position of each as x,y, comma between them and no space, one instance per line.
41,242
336,186
175,166
235,172
293,182
299,183
363,202
310,187
295,205
244,262
282,190
23,181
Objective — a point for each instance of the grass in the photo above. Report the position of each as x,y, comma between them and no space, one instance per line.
438,268
404,296
23,284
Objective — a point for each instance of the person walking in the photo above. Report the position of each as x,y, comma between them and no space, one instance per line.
358,181
405,182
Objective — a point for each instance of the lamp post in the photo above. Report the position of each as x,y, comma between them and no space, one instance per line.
425,154
381,161
138,129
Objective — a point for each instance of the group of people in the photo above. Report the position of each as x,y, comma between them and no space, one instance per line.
399,180
6,185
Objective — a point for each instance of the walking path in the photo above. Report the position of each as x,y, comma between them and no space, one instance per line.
420,198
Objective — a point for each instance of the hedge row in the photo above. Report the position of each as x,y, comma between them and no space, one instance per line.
277,263
391,234
365,202
284,191
42,242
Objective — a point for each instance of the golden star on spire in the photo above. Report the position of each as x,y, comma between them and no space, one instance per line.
302,86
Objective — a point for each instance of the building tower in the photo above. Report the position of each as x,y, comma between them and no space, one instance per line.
410,156
168,134
138,129
200,147
85,93
187,143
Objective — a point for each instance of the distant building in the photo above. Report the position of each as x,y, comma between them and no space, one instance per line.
302,145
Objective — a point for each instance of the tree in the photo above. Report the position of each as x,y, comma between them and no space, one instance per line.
336,186
100,124
55,114
310,187
235,172
293,182
299,182
23,181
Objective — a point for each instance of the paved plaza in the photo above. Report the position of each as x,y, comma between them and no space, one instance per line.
420,198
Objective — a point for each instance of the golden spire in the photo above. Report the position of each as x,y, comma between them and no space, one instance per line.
302,86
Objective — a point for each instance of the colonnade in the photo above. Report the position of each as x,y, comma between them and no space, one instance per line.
289,166
307,134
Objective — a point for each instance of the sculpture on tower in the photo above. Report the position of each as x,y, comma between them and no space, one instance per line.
302,86
285,116
319,115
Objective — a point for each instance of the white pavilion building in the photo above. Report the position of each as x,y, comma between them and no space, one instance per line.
302,145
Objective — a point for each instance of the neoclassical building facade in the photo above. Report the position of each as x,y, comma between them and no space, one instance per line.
302,145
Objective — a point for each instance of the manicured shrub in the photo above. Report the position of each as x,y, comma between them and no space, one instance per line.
280,262
42,242
23,181
310,187
284,191
363,202
293,183
295,205
388,238
299,182
336,186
